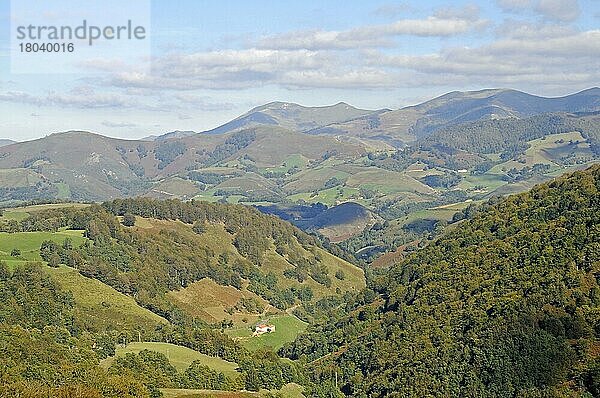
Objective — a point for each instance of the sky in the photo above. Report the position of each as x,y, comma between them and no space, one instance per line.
206,62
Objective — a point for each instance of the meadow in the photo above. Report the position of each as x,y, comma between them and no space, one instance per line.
28,244
180,357
287,327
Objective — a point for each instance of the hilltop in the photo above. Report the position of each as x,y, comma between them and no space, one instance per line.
408,124
293,117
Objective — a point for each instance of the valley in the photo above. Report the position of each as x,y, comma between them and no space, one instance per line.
379,245
315,168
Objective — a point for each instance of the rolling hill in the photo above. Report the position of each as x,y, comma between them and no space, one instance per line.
165,301
404,126
86,166
457,148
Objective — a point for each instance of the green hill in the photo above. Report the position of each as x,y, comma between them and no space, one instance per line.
503,304
85,287
398,164
252,260
102,308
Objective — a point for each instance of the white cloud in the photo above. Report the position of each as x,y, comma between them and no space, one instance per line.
393,9
556,61
238,69
515,5
202,103
541,52
87,97
469,12
83,97
526,30
446,22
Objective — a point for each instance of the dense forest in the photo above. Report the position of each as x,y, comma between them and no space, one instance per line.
503,304
509,135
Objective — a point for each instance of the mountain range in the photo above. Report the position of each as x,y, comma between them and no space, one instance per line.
392,164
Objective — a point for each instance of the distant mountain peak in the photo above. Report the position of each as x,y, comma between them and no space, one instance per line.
292,116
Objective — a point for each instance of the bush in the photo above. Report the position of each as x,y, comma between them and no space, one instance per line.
128,220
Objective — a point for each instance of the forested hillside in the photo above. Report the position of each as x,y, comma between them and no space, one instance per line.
76,283
504,304
505,135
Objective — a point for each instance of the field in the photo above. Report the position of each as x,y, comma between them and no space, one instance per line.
330,196
175,187
100,306
20,213
29,244
292,161
210,301
180,357
387,182
552,150
287,327
183,393
481,183
313,179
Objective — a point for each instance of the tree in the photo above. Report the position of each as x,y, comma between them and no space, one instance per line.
128,220
47,249
54,260
199,227
15,252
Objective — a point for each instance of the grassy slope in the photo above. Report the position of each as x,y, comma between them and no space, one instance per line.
102,307
99,305
183,393
387,182
19,213
180,357
353,281
209,301
10,178
174,187
290,390
212,308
